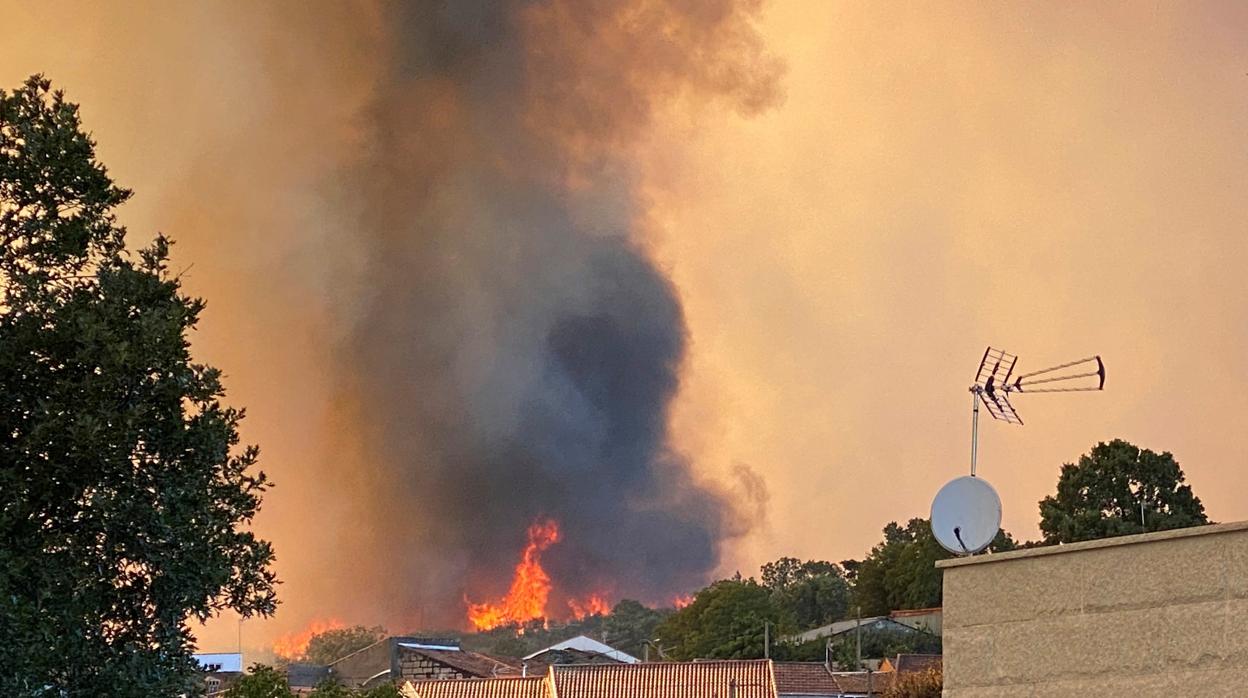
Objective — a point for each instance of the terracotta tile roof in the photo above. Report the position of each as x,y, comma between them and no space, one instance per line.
531,687
805,679
712,679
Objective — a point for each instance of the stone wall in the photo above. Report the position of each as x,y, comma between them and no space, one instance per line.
1157,614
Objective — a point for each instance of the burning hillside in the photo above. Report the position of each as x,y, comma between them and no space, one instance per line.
527,599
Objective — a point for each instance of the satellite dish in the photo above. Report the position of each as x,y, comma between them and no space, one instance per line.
966,515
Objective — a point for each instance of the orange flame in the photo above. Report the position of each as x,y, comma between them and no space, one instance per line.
530,586
592,605
680,602
294,645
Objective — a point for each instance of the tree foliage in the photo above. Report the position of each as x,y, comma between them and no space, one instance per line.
808,594
725,621
332,645
123,493
1101,495
331,688
900,572
631,625
261,681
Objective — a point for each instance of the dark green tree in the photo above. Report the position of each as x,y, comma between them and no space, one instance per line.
261,681
631,625
900,572
332,645
1101,495
810,593
724,621
331,688
124,496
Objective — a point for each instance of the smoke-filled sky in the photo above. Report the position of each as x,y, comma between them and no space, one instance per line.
704,281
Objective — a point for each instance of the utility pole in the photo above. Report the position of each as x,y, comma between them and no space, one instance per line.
858,633
1142,524
766,639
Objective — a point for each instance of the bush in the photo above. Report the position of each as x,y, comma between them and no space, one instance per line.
917,684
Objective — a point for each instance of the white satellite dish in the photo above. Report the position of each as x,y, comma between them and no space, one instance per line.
966,515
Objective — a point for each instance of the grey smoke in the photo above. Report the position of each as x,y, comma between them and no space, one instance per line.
515,352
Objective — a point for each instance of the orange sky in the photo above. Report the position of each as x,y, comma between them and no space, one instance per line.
1056,179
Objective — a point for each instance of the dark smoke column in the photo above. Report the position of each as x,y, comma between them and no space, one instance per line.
514,352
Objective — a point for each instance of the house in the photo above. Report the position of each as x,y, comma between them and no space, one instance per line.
418,659
905,663
752,678
874,623
580,650
816,680
221,669
928,619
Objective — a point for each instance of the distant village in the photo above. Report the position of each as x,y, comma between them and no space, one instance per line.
428,667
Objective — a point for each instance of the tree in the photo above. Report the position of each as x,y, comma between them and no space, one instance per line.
900,572
332,645
631,625
808,594
724,621
261,681
331,688
124,497
1101,495
929,683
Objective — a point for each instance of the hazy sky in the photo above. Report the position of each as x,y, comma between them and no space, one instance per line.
1056,179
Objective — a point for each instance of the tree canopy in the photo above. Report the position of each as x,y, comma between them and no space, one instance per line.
631,625
335,644
724,621
900,572
124,494
261,681
1101,495
808,594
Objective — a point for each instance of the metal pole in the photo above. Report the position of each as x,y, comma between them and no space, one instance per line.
1142,524
974,428
858,633
766,639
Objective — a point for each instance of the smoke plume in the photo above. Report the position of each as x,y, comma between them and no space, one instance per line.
512,351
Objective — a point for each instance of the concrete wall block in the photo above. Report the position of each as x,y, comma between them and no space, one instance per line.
1022,691
1156,615
973,648
1184,570
1014,590
1234,550
1207,684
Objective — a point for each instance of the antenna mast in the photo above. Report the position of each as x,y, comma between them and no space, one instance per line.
993,386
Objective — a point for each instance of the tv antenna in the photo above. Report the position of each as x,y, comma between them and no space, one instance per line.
966,513
995,382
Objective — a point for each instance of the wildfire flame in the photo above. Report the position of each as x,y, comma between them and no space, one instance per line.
593,605
680,602
530,586
294,645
